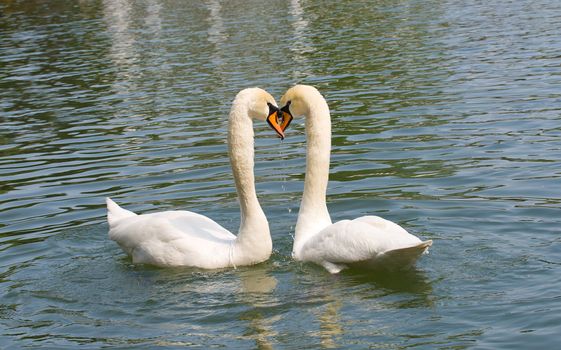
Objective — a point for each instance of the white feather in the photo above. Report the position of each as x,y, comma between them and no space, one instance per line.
184,238
366,242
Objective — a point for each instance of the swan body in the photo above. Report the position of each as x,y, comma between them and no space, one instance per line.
184,238
367,242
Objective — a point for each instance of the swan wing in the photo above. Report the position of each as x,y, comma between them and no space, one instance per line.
172,238
368,241
398,258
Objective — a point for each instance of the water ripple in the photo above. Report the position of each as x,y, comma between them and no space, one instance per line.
445,119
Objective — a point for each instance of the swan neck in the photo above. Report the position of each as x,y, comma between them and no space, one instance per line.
313,215
254,229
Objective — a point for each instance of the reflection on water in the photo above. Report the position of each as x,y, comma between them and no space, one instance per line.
445,119
413,282
216,32
300,45
218,36
330,328
117,17
256,282
258,287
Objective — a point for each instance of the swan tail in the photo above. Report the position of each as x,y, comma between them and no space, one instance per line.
115,212
406,257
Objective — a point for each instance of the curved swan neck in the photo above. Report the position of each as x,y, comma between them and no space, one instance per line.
313,215
254,229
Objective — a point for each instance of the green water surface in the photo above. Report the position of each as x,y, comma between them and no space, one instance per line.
446,119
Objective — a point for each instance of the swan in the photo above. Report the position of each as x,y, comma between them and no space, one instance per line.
367,242
184,238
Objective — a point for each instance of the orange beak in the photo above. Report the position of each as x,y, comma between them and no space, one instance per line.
286,116
286,119
273,121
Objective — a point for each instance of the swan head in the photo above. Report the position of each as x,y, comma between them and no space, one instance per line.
262,106
296,102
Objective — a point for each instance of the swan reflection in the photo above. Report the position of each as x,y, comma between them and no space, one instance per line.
370,291
258,286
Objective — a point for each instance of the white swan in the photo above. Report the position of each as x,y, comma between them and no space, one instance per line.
368,241
184,238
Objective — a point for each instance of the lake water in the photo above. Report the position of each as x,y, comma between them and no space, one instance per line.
446,120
